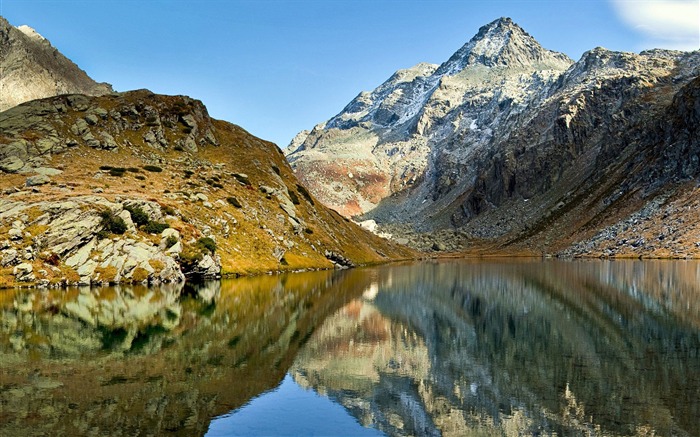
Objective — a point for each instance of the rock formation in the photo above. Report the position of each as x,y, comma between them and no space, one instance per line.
138,187
509,145
31,68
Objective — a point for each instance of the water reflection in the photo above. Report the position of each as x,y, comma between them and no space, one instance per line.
517,349
140,361
449,348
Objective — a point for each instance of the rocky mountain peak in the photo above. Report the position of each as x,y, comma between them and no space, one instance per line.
502,43
30,32
33,69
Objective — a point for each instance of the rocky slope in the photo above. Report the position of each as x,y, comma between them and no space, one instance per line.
31,68
508,145
138,187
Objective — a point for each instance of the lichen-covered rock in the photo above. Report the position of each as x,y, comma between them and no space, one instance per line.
71,234
24,272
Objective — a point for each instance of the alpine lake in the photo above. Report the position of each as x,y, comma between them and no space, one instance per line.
453,348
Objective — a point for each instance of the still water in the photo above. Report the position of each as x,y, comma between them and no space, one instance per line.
458,348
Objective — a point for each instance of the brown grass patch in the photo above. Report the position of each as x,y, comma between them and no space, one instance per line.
140,274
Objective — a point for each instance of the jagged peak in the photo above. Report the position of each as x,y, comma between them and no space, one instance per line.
503,43
30,32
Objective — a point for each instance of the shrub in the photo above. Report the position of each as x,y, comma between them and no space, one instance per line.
112,223
138,216
233,201
155,227
140,177
187,174
105,167
293,196
133,169
304,192
117,171
170,241
152,168
178,148
206,243
167,210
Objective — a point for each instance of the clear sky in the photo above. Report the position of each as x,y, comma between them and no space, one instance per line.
276,67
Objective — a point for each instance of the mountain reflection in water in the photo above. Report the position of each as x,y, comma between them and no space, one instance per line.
436,348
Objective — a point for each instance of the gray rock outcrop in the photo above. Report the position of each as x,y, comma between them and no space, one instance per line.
66,237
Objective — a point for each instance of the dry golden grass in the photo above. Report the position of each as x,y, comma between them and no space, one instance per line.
246,237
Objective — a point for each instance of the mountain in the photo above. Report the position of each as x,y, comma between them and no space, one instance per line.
31,68
507,145
139,187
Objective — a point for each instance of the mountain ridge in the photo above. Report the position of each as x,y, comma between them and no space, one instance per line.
32,69
488,139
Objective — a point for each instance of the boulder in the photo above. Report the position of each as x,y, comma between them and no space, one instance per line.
439,246
37,180
11,164
9,257
23,272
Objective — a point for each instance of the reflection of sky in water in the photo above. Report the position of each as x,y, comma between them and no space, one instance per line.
289,410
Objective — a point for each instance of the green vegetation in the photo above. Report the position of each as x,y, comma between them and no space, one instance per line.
206,243
117,171
138,216
304,192
170,241
155,227
112,223
293,196
152,168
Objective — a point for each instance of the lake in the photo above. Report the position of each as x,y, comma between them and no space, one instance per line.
453,348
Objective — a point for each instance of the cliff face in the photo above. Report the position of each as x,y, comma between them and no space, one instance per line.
139,187
31,68
511,145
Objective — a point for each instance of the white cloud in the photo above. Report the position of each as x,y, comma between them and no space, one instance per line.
673,24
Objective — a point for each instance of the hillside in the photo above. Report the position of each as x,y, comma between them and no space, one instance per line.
509,147
138,187
31,68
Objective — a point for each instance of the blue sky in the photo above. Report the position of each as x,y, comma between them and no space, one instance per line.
276,67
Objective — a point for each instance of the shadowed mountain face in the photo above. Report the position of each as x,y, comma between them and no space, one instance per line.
510,143
33,69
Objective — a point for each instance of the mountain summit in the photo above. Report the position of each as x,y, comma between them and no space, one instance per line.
508,144
31,68
394,136
502,43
